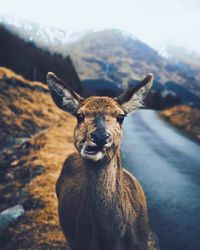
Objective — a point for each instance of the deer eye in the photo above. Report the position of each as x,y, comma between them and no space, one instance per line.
120,118
80,118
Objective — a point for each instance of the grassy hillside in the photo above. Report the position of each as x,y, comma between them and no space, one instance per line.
29,169
28,176
26,107
185,118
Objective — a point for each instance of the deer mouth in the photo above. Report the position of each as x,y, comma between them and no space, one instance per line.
92,150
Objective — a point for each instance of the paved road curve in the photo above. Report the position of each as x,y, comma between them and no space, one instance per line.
168,166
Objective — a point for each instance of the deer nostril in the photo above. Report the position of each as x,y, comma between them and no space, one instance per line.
100,138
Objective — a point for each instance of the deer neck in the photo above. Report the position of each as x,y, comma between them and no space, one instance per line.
105,194
104,178
105,185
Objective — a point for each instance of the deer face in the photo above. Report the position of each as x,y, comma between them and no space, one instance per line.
99,119
99,127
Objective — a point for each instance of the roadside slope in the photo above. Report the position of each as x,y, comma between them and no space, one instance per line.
34,145
185,118
26,108
42,157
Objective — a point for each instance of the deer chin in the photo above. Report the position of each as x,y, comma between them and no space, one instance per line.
93,152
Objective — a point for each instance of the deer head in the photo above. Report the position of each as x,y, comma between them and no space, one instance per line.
98,131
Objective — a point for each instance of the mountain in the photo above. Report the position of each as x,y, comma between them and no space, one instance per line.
46,37
119,57
33,62
182,57
107,51
188,63
108,61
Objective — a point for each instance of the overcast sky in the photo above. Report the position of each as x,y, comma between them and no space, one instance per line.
158,23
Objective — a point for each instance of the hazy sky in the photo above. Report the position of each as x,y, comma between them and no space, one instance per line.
156,22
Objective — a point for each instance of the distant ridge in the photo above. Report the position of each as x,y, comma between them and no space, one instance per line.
107,62
33,62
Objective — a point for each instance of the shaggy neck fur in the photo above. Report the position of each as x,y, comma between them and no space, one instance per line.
106,195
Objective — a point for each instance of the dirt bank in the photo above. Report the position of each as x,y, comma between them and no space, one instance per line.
185,118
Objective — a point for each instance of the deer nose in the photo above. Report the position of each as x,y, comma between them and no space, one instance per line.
100,138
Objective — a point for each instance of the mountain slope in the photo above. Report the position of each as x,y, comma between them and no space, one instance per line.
113,55
26,108
188,63
34,62
98,50
115,60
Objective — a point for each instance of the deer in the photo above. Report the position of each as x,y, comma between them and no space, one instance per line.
101,206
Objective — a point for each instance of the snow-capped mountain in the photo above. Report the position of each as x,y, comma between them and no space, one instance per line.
187,60
47,37
111,55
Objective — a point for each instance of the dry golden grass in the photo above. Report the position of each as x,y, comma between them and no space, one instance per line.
26,107
29,171
40,223
185,118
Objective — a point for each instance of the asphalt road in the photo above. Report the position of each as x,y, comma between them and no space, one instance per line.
168,166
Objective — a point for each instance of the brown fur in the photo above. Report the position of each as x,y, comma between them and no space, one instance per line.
101,208
101,205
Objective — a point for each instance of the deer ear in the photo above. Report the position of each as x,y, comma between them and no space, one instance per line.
63,96
133,98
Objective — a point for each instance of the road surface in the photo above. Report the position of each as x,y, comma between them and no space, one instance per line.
168,166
